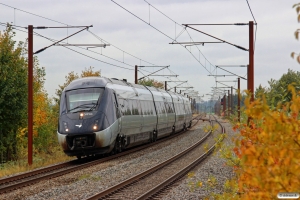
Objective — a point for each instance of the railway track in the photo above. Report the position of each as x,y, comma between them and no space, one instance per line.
32,177
151,182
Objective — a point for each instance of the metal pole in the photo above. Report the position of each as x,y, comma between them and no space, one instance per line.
231,98
228,103
135,74
251,60
175,89
166,85
239,100
251,64
224,105
30,92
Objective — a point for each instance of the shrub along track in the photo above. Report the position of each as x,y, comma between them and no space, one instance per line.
35,176
152,182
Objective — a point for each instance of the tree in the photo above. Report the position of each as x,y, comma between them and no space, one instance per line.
267,160
13,92
293,54
277,92
152,83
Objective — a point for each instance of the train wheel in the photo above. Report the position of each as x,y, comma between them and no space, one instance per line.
173,130
78,157
154,137
118,145
184,127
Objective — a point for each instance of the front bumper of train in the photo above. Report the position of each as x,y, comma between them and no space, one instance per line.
85,144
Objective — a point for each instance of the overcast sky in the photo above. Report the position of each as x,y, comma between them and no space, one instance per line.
134,42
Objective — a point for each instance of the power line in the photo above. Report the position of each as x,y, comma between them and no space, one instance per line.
53,40
255,22
33,14
68,25
163,34
183,30
250,10
119,48
37,34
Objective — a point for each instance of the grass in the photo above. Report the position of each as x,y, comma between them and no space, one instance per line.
39,160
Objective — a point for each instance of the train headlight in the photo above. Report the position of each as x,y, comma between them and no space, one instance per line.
95,127
66,126
81,115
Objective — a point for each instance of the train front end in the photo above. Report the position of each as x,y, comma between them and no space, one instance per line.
83,128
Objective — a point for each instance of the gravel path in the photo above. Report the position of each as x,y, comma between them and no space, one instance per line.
84,183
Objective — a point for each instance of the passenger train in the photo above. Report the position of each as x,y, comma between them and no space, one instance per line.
101,115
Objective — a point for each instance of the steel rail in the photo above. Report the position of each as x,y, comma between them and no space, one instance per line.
159,188
114,189
4,187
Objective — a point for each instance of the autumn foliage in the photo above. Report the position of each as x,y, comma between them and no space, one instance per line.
268,149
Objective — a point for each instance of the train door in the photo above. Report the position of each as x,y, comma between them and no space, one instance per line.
116,126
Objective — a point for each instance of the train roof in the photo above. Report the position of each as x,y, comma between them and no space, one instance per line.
103,81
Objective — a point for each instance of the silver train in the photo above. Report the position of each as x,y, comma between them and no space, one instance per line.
101,115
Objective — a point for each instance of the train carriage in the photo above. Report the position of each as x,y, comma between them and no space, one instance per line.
101,115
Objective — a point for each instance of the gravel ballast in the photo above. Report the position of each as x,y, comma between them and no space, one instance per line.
213,166
84,183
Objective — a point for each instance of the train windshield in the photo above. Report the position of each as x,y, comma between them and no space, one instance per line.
83,99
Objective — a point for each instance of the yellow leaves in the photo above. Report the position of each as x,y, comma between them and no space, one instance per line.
199,184
89,72
269,149
191,174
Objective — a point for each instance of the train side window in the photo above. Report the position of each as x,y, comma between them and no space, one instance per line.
117,106
162,104
135,110
138,108
153,107
122,106
142,107
168,107
149,107
171,107
162,110
146,107
139,105
133,106
158,107
180,108
127,107
177,108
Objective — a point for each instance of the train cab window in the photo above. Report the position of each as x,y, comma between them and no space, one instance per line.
86,99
